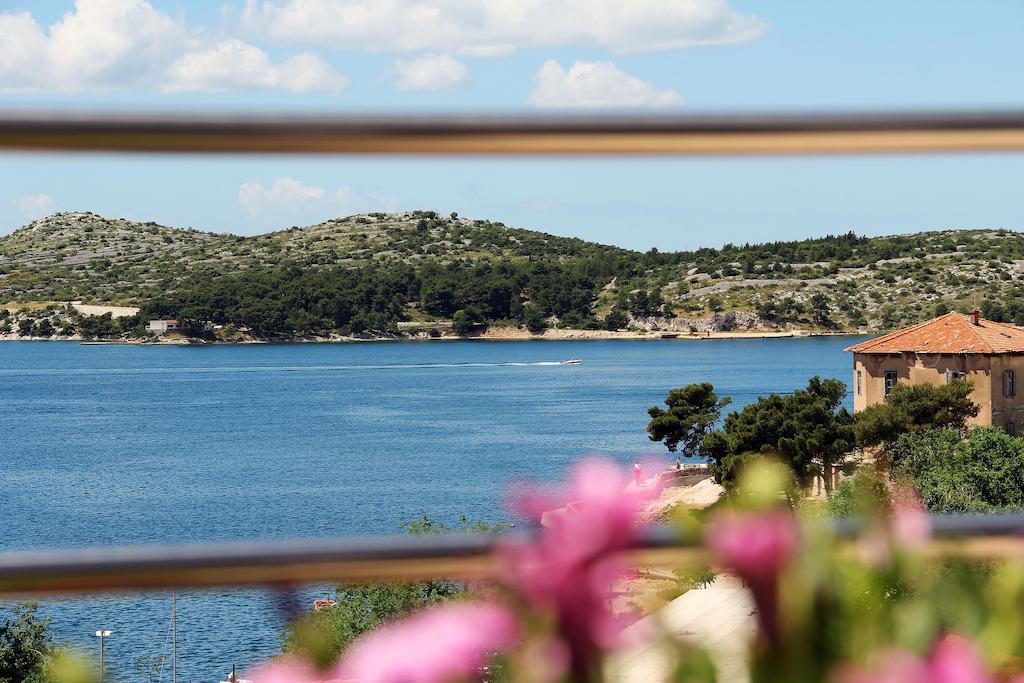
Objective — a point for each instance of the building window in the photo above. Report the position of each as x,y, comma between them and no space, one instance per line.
1011,429
952,375
1009,386
890,381
860,382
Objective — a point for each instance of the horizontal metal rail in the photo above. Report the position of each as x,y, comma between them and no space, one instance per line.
463,556
393,558
515,135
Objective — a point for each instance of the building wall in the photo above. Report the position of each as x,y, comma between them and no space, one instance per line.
1007,409
932,369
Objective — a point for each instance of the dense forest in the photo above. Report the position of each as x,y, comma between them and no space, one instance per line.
291,299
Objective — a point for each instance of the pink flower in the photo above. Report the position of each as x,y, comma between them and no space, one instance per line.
907,527
757,546
570,568
599,511
443,643
288,670
910,524
954,659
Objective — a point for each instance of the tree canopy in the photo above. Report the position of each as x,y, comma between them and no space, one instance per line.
26,646
911,408
292,298
692,412
807,430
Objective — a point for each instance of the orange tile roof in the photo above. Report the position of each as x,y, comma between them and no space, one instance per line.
950,333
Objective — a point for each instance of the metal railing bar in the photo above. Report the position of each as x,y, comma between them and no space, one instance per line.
463,556
515,135
245,563
392,558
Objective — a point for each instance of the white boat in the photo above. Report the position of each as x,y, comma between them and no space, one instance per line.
572,361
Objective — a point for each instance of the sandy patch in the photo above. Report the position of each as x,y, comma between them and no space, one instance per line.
702,494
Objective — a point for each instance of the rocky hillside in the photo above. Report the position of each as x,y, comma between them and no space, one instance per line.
840,282
72,255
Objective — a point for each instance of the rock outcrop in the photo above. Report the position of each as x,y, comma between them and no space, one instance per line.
731,321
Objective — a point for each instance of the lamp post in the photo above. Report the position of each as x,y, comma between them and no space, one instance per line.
102,635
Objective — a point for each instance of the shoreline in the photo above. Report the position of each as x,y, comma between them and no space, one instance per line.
499,334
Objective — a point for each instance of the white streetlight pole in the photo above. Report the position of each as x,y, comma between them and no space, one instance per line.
102,635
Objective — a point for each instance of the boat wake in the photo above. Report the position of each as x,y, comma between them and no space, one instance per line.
281,368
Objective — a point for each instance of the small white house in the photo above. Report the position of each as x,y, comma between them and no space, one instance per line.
162,326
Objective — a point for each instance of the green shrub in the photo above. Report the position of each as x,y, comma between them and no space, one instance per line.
984,472
863,494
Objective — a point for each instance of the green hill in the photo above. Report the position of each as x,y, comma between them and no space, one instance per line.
369,272
85,256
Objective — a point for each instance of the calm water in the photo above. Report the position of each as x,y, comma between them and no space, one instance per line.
127,444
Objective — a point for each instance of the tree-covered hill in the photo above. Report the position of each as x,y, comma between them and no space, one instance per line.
82,255
372,271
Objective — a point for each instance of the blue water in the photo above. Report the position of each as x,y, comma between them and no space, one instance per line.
111,445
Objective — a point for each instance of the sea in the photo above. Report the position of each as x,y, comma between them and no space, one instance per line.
104,445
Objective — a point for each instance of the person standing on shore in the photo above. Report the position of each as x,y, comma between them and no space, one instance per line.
638,474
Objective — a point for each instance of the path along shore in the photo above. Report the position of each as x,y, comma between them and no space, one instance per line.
719,617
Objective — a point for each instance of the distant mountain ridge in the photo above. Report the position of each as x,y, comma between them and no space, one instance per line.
838,282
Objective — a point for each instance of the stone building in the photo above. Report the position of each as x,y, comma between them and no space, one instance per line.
988,354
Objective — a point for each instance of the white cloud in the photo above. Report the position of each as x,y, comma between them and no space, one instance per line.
483,27
233,64
104,45
429,72
33,205
24,49
256,198
594,85
99,43
290,201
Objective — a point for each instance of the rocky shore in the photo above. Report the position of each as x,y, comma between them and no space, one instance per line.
492,334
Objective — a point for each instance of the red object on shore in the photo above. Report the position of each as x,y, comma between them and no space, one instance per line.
323,603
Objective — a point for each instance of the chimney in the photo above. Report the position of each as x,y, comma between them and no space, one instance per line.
975,319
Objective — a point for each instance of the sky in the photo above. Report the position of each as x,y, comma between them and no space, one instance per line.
520,56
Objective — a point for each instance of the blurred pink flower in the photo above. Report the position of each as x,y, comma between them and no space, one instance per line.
288,669
954,659
599,511
907,527
910,525
756,546
443,643
570,568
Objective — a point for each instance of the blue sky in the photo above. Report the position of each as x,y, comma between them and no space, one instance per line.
520,56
